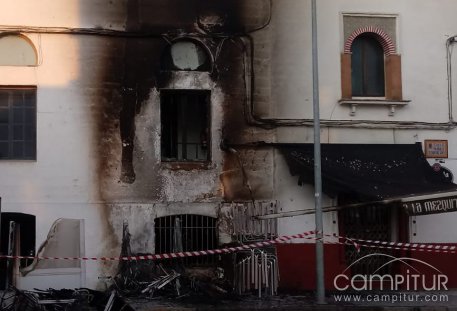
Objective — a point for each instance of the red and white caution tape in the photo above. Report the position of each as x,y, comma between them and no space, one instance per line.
360,243
227,250
357,243
420,247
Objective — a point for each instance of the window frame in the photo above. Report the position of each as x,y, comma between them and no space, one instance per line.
10,140
365,42
194,163
392,68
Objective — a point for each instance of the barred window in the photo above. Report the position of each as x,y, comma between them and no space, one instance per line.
186,233
18,123
185,125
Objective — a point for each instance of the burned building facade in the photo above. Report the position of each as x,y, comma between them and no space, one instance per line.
145,112
158,88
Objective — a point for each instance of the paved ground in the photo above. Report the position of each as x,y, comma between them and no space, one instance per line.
397,301
391,301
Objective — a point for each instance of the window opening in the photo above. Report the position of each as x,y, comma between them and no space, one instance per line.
185,125
367,67
186,55
18,123
186,233
26,235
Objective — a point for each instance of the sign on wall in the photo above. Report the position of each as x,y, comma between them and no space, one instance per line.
436,148
432,204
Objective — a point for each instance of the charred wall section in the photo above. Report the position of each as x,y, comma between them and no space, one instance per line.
127,129
133,183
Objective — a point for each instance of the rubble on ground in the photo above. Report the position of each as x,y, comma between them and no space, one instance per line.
81,299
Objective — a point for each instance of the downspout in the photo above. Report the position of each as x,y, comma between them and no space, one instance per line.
449,43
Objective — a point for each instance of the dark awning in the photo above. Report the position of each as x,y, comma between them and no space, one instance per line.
376,172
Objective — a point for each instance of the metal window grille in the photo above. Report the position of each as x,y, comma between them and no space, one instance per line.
185,125
186,232
368,223
246,227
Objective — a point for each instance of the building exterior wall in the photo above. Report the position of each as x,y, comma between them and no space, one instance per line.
98,109
424,84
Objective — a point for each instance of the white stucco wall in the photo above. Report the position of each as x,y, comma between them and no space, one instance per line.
423,27
55,185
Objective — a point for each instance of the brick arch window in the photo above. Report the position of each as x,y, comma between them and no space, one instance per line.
370,66
383,38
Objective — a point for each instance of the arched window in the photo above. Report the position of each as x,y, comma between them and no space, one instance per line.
370,66
186,55
17,103
16,50
367,67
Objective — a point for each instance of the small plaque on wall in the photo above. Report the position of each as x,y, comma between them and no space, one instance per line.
436,149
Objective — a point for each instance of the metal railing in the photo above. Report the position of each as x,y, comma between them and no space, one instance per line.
188,232
246,227
256,271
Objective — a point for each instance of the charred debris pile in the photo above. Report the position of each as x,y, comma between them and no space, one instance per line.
220,276
202,278
82,299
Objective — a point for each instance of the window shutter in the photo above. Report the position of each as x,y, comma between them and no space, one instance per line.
393,77
346,84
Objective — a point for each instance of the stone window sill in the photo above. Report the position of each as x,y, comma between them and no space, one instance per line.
376,101
186,166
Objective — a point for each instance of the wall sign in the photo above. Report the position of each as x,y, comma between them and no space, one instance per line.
431,206
436,148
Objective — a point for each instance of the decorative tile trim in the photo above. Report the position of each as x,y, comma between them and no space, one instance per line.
383,38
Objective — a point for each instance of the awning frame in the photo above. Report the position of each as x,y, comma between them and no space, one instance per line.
409,204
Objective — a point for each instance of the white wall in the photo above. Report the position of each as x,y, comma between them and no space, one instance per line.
423,27
71,13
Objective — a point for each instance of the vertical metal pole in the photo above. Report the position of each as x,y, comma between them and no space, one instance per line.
11,252
320,287
1,226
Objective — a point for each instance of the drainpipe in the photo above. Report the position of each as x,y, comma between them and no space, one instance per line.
320,286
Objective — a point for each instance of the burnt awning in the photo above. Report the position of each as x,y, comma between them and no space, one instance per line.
376,172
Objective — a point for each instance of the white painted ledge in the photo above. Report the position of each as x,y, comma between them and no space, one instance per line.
391,104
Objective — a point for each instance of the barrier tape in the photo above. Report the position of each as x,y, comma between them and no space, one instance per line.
309,235
359,243
420,247
226,250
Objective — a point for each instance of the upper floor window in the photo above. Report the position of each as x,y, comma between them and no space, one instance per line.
18,123
186,55
367,67
370,62
185,116
16,50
